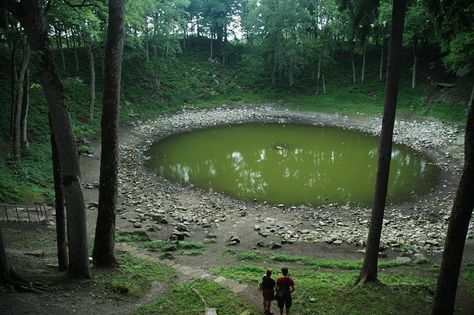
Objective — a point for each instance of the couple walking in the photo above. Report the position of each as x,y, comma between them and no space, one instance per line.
280,290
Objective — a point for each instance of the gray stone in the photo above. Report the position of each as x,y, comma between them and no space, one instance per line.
402,260
137,225
274,245
182,227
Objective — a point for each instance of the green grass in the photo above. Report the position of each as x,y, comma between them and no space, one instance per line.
179,247
346,264
321,292
469,276
183,300
132,278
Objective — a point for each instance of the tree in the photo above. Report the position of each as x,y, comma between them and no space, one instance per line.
456,27
457,228
104,243
369,268
30,15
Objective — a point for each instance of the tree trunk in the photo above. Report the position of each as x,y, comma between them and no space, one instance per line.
413,73
25,105
354,80
381,63
291,77
147,51
59,206
105,229
212,46
76,61
318,75
4,267
457,228
324,85
369,268
362,75
30,15
92,86
61,50
19,100
274,68
13,83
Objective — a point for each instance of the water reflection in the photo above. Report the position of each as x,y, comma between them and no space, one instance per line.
295,164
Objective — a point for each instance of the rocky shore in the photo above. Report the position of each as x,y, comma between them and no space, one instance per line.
156,205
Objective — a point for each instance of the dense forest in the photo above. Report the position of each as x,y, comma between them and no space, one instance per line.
74,73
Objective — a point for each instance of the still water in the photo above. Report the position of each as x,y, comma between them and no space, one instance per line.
289,164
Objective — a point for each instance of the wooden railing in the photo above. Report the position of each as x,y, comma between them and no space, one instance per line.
24,213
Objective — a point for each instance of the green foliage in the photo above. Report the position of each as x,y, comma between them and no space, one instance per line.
183,299
133,277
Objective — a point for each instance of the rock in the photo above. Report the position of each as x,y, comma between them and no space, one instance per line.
182,227
432,242
137,225
176,236
264,233
402,260
233,240
210,235
260,244
154,228
337,242
312,300
274,245
170,248
36,253
382,255
257,227
167,256
362,251
420,259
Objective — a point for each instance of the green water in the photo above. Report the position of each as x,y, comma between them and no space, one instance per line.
289,164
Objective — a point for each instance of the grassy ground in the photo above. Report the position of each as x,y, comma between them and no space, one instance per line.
326,286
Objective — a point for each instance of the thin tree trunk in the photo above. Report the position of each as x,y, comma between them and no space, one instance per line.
147,51
324,85
318,75
274,68
61,50
354,80
369,268
413,73
92,86
30,15
25,105
381,63
19,100
291,77
13,83
212,46
457,228
104,243
59,205
362,75
76,61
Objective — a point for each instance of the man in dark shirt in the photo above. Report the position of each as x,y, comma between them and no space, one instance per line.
268,291
285,286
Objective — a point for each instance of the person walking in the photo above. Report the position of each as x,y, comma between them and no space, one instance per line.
284,287
268,290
